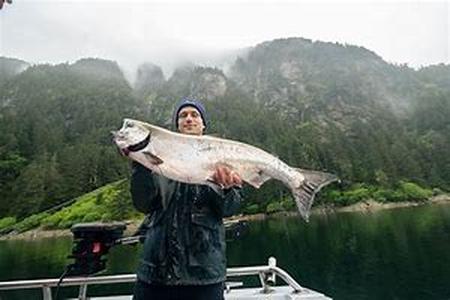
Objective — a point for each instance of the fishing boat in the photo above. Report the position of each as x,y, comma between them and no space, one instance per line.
93,240
234,290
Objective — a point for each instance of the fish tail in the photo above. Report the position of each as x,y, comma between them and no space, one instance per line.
311,184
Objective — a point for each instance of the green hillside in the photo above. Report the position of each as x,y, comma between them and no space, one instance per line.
109,203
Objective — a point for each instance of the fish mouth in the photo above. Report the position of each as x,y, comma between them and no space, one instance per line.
137,147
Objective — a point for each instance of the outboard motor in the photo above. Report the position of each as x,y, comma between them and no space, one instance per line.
92,242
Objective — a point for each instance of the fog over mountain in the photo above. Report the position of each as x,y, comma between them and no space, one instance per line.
174,33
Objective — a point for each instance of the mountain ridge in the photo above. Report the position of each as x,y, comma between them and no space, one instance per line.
316,105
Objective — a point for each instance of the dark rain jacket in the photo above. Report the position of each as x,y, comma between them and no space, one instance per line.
185,237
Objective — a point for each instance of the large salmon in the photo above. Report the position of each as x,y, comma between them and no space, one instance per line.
194,159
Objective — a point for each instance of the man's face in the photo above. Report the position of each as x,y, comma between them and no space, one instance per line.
190,121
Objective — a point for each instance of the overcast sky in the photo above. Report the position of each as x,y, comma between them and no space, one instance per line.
167,32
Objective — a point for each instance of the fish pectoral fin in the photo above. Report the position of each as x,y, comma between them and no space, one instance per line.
155,160
257,178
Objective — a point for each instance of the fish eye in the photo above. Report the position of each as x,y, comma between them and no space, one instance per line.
129,124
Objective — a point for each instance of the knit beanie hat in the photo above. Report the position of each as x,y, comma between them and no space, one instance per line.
189,102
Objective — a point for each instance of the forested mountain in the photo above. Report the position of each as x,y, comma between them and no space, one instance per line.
55,139
316,105
10,67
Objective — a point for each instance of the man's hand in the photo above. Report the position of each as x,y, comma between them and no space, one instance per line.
226,177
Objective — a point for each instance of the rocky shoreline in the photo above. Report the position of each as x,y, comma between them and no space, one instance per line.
363,206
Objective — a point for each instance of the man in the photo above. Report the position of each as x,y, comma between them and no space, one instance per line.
184,248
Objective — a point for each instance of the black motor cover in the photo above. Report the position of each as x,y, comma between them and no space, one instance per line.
91,242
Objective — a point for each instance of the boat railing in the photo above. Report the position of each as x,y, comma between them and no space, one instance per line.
267,275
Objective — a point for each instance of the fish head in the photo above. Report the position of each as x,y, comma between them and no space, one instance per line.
131,137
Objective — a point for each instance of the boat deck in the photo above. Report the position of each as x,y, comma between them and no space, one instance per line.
277,293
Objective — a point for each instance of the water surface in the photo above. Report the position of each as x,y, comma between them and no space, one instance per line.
391,254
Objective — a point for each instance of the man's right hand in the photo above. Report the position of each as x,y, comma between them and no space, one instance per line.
226,177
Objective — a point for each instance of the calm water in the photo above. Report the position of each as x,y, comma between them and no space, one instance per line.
392,254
